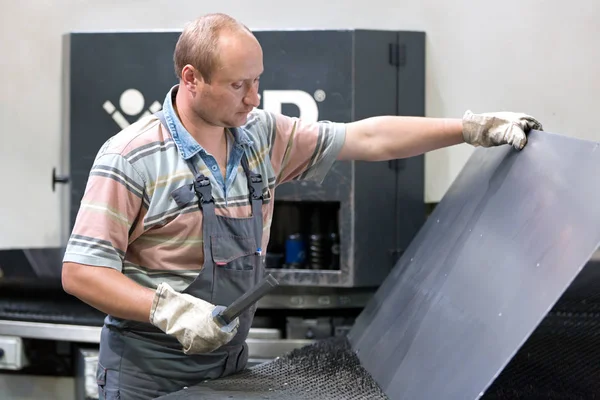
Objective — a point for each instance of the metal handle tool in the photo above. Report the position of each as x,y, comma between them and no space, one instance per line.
225,316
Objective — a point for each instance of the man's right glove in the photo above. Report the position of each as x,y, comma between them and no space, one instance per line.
189,319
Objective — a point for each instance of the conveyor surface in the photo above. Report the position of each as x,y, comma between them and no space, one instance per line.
47,311
328,369
48,305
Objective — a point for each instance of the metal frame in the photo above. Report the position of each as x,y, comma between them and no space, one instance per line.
262,343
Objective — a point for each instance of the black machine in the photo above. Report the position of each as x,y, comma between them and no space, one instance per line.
347,232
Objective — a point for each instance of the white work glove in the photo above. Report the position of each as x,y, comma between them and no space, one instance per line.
493,129
189,319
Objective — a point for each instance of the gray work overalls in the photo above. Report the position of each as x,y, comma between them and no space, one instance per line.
137,360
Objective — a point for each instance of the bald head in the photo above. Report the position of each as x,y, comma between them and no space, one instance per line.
219,63
202,40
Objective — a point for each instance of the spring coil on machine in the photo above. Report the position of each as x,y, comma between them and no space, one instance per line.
316,252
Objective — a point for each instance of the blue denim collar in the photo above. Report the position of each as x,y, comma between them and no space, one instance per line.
187,145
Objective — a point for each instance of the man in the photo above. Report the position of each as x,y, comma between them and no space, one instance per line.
176,214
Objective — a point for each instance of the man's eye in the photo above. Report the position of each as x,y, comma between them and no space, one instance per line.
237,85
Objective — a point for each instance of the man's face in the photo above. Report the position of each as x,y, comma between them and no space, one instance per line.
233,89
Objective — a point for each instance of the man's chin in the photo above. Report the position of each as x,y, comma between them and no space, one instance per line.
239,120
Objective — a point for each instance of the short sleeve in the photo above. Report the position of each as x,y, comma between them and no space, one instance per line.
304,150
112,201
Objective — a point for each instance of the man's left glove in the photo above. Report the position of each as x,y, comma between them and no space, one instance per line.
494,129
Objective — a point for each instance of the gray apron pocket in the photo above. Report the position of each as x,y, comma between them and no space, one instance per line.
234,272
230,252
231,283
108,383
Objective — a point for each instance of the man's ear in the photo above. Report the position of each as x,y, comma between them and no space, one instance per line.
190,78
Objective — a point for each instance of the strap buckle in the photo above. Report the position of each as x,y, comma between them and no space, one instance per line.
255,186
203,189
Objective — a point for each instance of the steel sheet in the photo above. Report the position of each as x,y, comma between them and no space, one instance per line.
505,242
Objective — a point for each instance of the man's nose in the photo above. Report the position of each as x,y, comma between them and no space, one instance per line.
252,98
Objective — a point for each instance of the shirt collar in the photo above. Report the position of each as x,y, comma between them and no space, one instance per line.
187,145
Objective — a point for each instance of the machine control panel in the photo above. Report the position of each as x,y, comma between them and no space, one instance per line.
12,355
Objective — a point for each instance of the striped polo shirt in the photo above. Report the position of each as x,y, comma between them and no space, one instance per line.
128,219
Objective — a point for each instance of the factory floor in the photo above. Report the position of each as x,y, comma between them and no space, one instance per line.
24,387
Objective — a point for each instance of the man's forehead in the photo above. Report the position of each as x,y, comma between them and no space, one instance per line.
240,71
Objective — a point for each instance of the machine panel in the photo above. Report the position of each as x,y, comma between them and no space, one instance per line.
352,228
